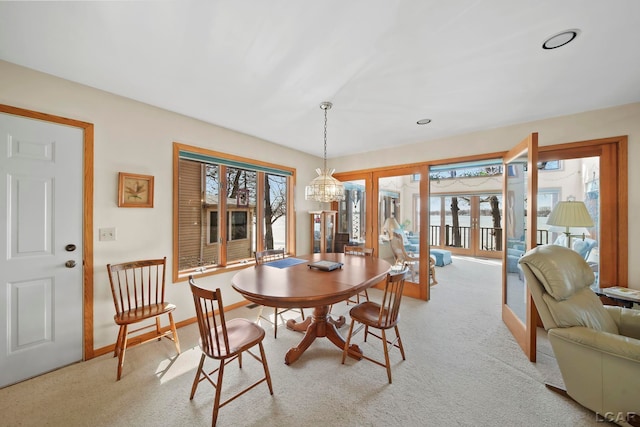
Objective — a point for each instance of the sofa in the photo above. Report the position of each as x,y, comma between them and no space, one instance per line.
578,244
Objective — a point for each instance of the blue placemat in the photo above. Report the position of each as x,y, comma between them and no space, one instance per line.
284,263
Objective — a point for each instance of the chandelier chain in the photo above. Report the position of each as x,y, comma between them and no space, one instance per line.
325,139
324,188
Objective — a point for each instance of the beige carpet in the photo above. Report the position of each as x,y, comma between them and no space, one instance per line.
463,368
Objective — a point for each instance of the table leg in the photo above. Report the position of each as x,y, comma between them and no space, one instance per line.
299,326
319,324
339,322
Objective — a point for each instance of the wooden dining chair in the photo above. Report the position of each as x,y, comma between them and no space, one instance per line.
137,288
358,251
264,257
383,316
224,341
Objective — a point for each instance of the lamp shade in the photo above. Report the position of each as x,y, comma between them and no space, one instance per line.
570,214
324,188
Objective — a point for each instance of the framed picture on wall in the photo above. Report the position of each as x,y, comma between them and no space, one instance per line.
135,191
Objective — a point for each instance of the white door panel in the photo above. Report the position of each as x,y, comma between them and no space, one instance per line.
40,297
30,216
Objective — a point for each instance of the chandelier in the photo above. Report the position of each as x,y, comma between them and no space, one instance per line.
325,188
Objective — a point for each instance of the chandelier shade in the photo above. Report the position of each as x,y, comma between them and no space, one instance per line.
324,188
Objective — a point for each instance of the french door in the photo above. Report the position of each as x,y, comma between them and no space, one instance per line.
517,309
467,224
520,212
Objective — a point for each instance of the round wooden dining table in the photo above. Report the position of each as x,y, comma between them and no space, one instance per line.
296,285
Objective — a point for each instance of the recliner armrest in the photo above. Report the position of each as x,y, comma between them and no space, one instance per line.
628,320
616,345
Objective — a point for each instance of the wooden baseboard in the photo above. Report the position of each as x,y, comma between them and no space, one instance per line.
139,339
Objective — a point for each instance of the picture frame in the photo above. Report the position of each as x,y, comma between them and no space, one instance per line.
134,190
242,198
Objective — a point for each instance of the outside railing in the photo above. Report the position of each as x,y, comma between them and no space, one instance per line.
490,237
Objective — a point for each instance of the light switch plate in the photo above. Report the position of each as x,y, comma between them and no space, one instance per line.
107,234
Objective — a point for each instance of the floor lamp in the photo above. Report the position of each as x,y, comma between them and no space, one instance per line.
569,214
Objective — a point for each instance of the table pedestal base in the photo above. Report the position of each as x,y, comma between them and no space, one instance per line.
320,324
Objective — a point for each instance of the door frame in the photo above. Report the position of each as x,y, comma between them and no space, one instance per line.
87,230
615,147
614,200
420,290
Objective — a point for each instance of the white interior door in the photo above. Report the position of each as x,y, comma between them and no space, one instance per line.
41,188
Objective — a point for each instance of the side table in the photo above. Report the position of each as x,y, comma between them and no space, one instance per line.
626,301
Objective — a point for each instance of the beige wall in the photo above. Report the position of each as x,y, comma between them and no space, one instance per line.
135,137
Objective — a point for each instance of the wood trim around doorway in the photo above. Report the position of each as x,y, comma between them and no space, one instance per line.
87,244
614,200
617,197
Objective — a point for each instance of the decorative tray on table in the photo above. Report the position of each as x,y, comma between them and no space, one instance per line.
326,265
620,292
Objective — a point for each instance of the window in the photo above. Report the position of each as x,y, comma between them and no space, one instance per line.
213,227
238,225
550,165
276,205
218,222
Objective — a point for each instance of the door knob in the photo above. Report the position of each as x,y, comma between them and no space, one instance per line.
70,264
70,247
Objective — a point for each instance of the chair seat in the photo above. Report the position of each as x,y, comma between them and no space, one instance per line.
242,334
142,313
368,313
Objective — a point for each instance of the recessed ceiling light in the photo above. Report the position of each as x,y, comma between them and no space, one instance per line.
424,121
560,39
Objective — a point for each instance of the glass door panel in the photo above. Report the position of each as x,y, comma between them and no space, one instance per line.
398,208
488,224
515,223
436,221
520,192
576,179
352,215
457,222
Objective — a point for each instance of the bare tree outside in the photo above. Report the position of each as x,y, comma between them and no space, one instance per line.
275,205
494,202
455,222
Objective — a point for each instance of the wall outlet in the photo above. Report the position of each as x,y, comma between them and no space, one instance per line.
107,234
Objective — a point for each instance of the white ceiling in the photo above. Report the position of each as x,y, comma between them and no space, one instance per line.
262,67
